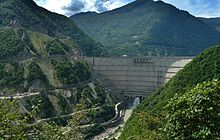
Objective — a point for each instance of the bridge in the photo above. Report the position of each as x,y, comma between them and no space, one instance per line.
136,76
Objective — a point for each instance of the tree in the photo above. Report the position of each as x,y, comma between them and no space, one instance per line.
196,114
49,131
74,132
12,123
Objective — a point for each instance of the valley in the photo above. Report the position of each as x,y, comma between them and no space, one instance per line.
143,71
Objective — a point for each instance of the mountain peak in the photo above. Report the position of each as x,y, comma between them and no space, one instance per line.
147,27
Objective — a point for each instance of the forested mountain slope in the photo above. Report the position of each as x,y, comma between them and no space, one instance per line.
43,81
145,27
214,22
37,70
26,14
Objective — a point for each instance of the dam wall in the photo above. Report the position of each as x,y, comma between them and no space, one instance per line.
136,76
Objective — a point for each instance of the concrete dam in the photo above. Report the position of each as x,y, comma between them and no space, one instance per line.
136,76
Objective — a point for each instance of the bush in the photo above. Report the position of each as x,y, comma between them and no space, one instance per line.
103,114
12,123
69,73
45,108
11,74
82,70
55,47
35,72
196,114
10,44
86,93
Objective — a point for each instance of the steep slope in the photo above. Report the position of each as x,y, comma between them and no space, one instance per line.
28,61
24,44
151,112
214,22
40,67
145,27
26,14
39,71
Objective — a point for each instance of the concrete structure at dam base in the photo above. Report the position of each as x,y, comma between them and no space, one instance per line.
136,77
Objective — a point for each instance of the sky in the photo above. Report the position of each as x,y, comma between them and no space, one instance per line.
200,8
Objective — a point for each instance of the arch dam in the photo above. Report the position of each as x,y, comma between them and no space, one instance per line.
134,77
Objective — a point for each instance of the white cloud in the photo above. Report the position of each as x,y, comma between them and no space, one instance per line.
54,5
70,7
114,4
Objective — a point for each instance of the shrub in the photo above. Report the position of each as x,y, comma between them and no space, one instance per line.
196,114
35,72
69,73
12,123
56,47
10,44
11,74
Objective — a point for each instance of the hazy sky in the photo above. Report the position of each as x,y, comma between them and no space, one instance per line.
202,8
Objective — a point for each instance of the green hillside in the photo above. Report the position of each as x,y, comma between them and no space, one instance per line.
26,14
145,27
213,22
10,44
149,117
23,44
44,85
40,73
31,61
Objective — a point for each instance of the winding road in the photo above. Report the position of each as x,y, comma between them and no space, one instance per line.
63,116
19,96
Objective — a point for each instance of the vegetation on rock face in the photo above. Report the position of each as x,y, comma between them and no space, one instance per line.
139,28
11,74
15,126
45,108
69,73
105,113
26,38
205,67
10,44
195,115
30,34
86,93
12,123
22,44
35,72
56,47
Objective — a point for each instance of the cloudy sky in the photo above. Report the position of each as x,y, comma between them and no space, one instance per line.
202,8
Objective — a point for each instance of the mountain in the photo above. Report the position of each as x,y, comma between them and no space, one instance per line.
24,52
213,22
152,113
38,70
26,14
146,27
41,69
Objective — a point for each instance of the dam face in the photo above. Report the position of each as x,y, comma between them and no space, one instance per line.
136,76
